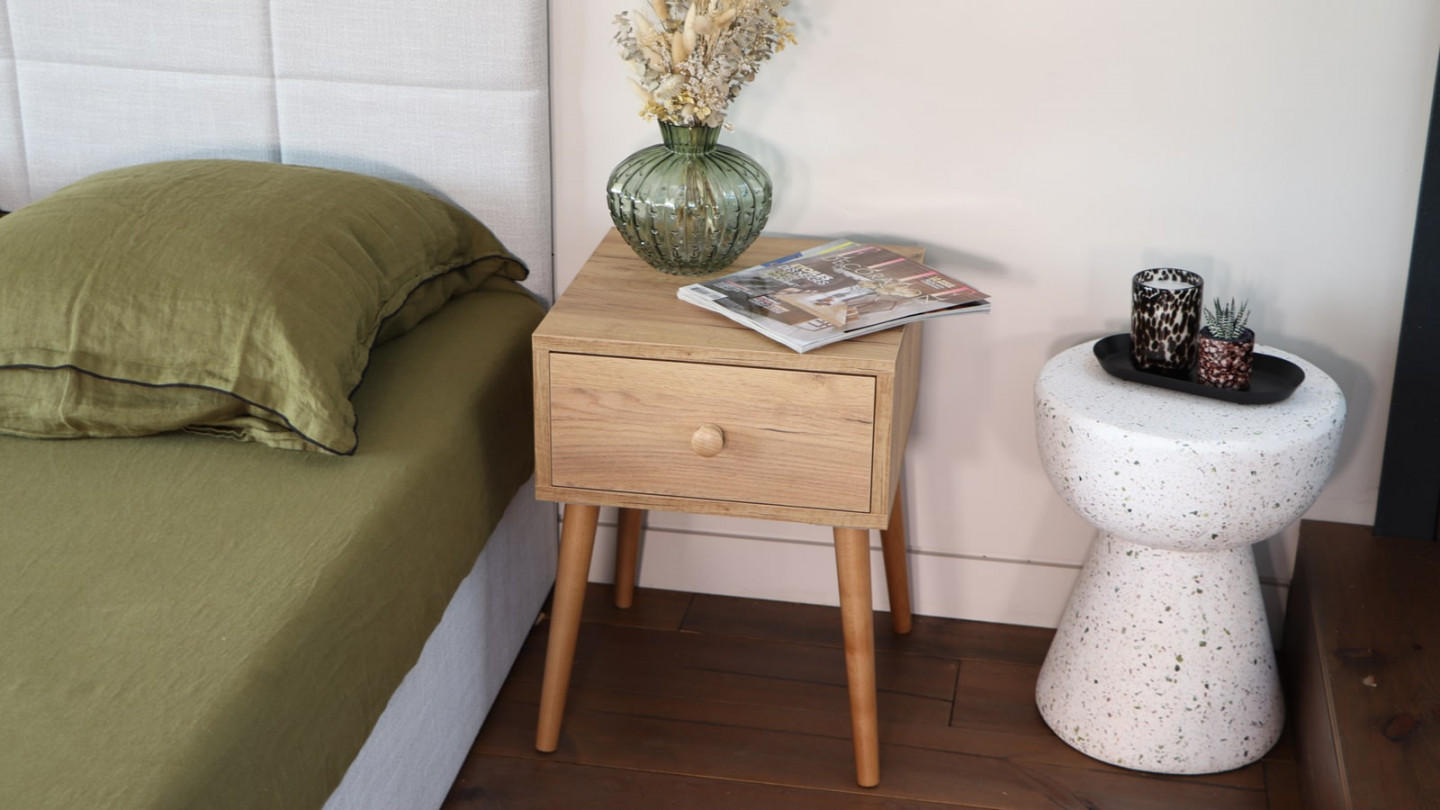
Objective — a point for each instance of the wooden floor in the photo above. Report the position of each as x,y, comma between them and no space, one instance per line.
707,702
1363,650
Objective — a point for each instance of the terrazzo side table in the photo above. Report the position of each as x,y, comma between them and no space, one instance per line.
1163,660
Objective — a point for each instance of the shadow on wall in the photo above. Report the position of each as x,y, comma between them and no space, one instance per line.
1357,383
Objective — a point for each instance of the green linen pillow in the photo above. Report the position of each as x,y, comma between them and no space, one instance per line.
220,296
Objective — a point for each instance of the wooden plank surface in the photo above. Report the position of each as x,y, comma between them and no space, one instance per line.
895,408
708,701
590,317
659,610
816,624
503,782
625,314
790,438
1369,621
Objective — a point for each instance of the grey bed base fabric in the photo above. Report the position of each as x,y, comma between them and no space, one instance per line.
413,755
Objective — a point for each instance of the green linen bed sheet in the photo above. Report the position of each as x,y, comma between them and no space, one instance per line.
191,622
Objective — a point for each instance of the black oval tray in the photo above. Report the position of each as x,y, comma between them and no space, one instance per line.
1271,380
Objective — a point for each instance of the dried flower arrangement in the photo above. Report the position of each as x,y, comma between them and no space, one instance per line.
692,59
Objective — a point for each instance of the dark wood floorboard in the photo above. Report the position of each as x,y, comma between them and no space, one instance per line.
695,701
1363,655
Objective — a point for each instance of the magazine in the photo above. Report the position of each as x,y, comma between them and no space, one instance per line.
832,292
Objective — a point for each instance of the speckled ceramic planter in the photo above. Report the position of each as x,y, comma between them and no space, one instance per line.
1225,363
1163,659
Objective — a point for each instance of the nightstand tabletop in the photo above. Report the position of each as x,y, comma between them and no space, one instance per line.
619,305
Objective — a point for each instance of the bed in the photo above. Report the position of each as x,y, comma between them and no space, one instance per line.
311,616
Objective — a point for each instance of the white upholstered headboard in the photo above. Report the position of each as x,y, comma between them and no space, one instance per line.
450,96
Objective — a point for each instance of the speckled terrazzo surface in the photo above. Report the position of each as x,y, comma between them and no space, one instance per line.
1163,661
1181,471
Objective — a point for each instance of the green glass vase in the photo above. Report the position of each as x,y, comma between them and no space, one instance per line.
687,205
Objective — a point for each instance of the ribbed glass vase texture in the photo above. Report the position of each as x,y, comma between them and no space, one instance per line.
687,205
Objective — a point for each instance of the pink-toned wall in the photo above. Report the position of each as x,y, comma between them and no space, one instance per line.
1046,151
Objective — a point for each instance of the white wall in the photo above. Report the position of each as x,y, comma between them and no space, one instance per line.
1045,151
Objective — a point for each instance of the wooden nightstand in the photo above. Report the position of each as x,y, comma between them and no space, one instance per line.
643,401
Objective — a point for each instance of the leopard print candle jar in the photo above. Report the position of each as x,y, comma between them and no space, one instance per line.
1165,319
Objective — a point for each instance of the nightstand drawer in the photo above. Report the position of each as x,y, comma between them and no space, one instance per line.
752,435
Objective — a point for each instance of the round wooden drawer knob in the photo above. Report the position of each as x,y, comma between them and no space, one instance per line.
707,440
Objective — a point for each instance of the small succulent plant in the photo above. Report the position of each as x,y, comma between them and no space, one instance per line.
1226,321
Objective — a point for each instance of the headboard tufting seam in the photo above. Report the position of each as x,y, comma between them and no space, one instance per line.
274,76
14,165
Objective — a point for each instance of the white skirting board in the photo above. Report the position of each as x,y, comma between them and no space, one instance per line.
792,570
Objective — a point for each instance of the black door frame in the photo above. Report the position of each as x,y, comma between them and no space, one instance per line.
1409,502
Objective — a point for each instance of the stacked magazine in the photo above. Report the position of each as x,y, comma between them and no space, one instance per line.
833,292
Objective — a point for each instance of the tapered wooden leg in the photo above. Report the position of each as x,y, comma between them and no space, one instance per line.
852,562
627,555
577,541
897,565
